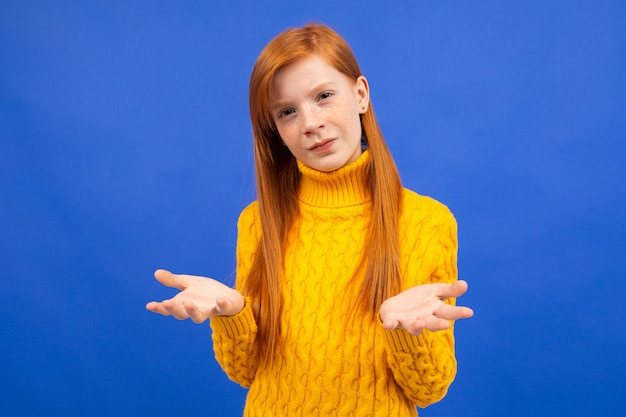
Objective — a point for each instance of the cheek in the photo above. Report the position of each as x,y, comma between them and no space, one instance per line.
288,136
347,115
350,120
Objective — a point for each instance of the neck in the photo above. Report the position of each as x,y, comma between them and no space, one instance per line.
346,186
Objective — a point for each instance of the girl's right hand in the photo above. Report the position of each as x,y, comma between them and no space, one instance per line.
199,298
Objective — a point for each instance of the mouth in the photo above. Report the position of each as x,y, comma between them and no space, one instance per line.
322,146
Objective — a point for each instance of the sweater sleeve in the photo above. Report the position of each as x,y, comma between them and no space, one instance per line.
234,336
233,344
424,366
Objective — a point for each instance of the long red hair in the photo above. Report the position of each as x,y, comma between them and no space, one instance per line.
278,178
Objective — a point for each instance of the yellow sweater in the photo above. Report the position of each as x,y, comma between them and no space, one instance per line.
329,363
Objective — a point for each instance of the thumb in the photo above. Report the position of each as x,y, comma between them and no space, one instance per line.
168,279
456,289
459,287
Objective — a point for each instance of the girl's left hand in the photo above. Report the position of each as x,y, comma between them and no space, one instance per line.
423,307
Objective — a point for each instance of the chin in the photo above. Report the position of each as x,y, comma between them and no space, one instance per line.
327,163
329,166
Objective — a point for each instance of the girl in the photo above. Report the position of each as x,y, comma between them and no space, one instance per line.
344,299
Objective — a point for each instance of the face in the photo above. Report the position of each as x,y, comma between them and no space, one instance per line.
316,110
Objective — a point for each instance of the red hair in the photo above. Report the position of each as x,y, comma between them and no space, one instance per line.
278,178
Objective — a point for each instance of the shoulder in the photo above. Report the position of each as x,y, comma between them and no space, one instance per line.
423,209
251,210
427,231
249,217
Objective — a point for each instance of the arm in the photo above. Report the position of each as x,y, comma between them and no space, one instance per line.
234,337
234,347
419,336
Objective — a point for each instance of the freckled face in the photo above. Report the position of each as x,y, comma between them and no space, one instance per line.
316,111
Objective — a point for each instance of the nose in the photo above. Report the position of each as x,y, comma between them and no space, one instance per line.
311,120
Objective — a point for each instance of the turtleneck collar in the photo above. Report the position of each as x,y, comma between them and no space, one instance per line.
346,186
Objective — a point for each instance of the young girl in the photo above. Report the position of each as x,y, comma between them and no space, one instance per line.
346,282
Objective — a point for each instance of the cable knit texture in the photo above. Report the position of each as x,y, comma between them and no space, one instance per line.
333,360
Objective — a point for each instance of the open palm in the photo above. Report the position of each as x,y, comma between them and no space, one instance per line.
199,298
423,307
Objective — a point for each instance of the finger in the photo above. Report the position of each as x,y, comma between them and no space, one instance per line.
456,289
450,312
389,322
414,327
399,321
157,308
225,307
435,324
171,280
175,310
460,287
196,314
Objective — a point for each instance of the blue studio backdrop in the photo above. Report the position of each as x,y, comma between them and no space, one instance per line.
125,146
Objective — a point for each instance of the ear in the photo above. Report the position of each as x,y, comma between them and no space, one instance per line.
362,91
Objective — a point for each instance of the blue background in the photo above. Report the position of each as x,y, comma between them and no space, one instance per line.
125,146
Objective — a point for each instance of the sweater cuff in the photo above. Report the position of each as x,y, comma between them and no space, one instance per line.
240,324
399,340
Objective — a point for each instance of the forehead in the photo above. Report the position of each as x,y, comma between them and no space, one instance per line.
304,75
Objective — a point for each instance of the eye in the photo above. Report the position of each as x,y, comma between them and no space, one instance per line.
325,95
285,112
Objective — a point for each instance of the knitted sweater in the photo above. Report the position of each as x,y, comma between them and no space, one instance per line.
332,362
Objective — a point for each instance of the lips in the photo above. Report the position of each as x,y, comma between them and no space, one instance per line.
323,146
